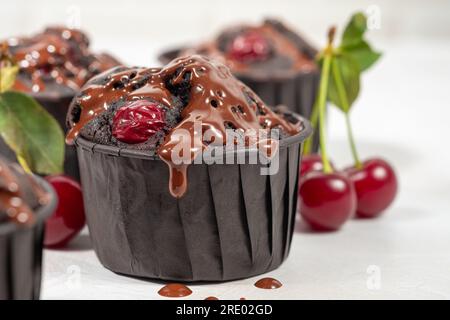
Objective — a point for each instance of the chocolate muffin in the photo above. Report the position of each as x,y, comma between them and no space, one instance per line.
170,190
25,203
273,60
54,64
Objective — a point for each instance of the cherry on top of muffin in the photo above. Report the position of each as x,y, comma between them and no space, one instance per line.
267,50
20,194
154,109
57,59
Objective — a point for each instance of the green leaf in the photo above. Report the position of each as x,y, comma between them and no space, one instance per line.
354,44
8,77
354,30
363,54
31,132
344,81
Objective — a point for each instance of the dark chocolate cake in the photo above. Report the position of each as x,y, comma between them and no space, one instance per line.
197,221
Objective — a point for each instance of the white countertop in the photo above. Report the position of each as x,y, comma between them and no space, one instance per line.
402,115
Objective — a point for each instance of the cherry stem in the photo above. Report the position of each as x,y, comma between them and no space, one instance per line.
314,118
323,91
346,107
351,139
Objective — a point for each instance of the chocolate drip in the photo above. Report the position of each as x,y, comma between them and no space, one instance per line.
59,55
268,283
175,290
11,197
215,100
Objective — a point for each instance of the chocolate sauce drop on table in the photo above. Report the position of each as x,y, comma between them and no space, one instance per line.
175,290
211,298
215,97
268,283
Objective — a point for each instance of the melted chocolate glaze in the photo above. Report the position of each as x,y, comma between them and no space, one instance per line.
210,95
268,283
175,290
18,191
290,54
56,56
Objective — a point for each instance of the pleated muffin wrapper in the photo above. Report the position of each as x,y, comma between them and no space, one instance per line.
57,106
297,91
21,253
231,223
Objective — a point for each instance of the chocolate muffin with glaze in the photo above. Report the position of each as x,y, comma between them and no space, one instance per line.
152,216
54,64
25,203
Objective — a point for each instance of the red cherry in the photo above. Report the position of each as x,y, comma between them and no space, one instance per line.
327,201
249,46
68,218
376,186
311,162
137,121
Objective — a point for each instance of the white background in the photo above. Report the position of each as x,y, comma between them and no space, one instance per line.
403,114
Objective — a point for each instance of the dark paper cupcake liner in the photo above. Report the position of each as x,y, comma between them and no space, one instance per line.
298,92
56,106
232,222
21,254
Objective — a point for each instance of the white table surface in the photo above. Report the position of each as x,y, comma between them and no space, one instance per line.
402,115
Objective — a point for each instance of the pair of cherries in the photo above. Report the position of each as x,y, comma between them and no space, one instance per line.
328,200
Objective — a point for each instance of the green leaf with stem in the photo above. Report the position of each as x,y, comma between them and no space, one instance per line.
32,133
346,62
